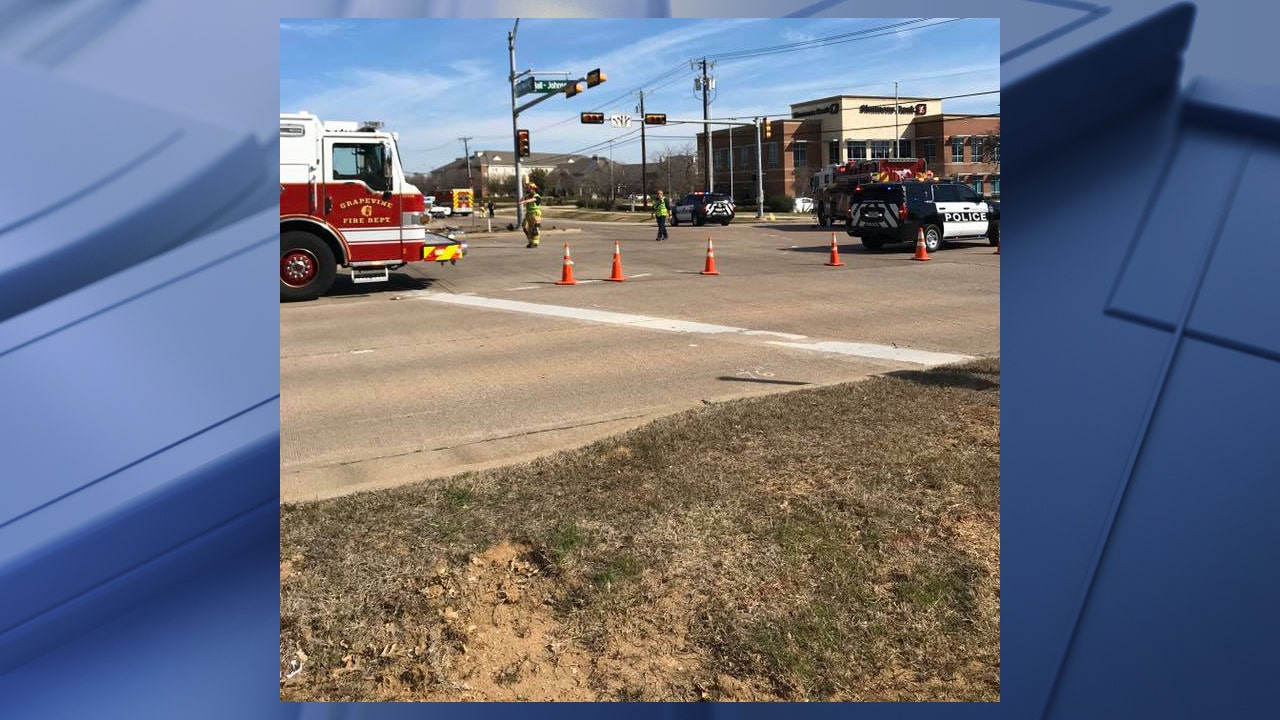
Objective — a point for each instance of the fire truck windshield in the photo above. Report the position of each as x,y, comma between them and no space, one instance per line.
365,162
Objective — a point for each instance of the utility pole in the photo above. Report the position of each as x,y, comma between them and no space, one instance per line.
644,162
706,115
471,185
731,161
759,175
515,132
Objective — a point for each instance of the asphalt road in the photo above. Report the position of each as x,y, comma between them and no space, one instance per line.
489,362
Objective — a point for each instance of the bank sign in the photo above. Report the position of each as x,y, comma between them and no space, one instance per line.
917,109
834,109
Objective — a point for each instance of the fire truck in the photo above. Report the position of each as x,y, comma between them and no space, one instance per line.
344,201
834,185
457,200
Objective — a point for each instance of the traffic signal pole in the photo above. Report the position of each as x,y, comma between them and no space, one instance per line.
644,166
515,120
759,174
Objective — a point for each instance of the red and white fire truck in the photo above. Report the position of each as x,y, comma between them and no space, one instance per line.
834,185
344,201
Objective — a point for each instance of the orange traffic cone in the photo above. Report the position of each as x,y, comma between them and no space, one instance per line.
710,269
921,252
617,275
835,253
566,278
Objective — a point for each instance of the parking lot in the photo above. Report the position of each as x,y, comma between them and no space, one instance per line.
489,362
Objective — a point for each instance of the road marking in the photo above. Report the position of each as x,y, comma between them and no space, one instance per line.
359,352
868,350
881,352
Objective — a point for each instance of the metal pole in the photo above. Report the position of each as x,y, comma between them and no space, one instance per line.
515,130
471,185
759,175
706,115
895,118
644,162
731,128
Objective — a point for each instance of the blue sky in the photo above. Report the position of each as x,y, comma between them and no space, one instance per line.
436,80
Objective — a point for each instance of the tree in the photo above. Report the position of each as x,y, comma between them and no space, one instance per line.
538,177
991,147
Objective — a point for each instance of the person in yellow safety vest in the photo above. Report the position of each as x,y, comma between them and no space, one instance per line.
660,212
533,214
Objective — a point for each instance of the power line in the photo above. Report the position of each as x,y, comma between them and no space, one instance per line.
865,34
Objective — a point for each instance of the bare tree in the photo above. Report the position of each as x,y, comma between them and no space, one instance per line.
991,147
677,169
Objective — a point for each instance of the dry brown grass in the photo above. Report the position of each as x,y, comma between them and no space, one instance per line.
836,543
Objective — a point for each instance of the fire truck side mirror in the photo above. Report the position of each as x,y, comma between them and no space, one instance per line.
386,195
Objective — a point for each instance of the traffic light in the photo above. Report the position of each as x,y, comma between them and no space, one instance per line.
768,131
573,88
595,77
655,119
591,118
522,142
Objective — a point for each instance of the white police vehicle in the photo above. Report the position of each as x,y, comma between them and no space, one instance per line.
890,212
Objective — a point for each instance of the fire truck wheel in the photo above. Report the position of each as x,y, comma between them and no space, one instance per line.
307,267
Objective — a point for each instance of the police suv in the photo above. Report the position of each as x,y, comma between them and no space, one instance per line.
881,213
700,208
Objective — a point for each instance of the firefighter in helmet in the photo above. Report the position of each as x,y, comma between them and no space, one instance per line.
533,214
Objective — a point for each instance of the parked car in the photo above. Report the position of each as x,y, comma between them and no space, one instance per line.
803,205
701,207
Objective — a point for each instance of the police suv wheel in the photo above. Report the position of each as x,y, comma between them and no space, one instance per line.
932,238
675,220
307,266
872,243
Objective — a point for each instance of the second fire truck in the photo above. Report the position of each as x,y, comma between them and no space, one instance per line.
834,186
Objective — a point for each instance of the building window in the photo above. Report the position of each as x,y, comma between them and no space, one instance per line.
929,149
773,154
722,157
833,151
975,150
904,148
977,185
879,149
957,149
855,149
995,154
743,157
798,155
995,185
